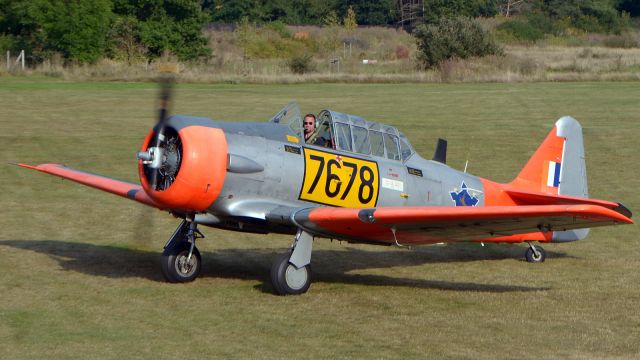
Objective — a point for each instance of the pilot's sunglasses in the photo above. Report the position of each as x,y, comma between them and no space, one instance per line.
308,123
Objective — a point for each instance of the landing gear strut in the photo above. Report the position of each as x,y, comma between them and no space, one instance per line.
535,254
291,272
181,261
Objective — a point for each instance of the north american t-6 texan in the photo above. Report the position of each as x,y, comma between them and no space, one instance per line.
363,183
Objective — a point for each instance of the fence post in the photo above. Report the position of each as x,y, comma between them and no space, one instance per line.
20,59
8,60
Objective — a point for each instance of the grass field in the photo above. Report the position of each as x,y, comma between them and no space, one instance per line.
79,276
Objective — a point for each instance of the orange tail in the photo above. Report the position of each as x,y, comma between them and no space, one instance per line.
558,166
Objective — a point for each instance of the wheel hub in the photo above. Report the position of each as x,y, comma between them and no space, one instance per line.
184,265
296,278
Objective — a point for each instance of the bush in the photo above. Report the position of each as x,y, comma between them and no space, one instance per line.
300,64
546,24
272,41
453,38
521,30
279,27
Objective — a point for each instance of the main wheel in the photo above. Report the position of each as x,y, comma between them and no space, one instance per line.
289,280
533,258
176,265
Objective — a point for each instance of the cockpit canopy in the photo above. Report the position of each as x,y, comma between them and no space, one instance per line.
351,133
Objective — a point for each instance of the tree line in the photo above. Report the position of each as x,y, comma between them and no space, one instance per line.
391,12
84,31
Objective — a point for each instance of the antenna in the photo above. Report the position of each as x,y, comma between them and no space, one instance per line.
466,163
440,154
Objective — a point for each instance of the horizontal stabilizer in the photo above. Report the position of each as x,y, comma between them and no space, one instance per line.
538,198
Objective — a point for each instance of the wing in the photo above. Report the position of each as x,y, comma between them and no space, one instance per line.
424,225
121,188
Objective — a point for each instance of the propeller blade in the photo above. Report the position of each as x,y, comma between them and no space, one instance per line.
166,90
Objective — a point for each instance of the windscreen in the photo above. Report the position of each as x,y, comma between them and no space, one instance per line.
290,115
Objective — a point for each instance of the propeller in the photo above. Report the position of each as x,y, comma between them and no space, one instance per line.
154,156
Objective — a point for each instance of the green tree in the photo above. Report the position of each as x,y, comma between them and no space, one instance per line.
312,12
434,10
586,15
75,29
632,7
124,38
331,19
169,25
274,10
350,20
21,24
232,11
78,29
264,11
379,12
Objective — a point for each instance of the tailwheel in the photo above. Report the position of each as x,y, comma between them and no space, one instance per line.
181,263
287,279
535,254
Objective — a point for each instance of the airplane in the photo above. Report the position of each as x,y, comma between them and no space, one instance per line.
368,185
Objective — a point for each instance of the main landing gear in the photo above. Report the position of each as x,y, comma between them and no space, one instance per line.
535,254
181,261
291,272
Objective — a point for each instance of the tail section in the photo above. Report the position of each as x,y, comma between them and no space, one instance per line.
558,168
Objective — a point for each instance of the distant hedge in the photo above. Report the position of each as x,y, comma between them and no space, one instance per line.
559,17
453,38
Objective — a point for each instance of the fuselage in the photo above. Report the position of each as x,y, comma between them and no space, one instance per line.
270,166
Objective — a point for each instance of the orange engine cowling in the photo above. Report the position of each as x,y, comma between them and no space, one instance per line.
193,170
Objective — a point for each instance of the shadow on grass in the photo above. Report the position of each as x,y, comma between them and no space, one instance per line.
331,266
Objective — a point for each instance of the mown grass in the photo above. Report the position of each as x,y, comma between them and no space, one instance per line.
79,276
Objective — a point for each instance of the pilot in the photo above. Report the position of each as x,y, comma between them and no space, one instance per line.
311,136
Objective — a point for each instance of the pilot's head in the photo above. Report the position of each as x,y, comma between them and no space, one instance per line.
309,124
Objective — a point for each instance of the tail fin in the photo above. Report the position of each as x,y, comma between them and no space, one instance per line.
558,168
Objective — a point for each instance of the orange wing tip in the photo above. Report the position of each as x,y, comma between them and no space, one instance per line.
40,167
597,210
623,210
25,165
612,214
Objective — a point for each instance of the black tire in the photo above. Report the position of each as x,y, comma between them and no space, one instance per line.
287,279
174,266
531,256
